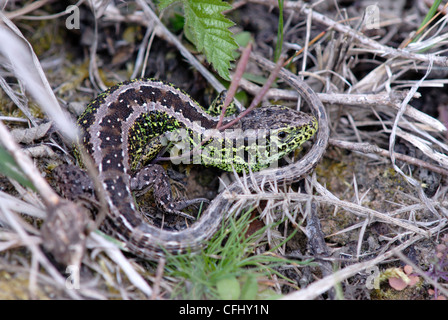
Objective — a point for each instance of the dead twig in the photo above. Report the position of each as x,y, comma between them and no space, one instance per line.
380,49
317,288
371,148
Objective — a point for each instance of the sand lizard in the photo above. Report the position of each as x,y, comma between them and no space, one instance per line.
125,125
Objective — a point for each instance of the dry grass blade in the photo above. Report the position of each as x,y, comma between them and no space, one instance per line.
27,166
320,286
17,225
383,50
117,256
20,56
369,148
352,207
359,100
19,205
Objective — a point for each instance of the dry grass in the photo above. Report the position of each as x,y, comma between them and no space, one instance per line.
380,193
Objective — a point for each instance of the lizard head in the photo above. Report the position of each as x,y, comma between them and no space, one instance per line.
283,130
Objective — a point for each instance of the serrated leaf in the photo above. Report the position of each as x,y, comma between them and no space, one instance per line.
208,7
208,29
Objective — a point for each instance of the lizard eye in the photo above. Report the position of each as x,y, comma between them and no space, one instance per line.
282,134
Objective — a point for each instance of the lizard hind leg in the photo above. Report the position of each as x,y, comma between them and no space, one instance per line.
73,182
154,176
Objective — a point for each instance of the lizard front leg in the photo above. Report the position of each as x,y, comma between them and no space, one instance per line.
154,176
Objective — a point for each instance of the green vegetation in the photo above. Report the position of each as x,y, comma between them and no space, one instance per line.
207,28
228,268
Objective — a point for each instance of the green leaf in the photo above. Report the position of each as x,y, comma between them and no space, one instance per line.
432,11
250,288
208,29
228,288
279,45
243,38
9,168
165,3
177,22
